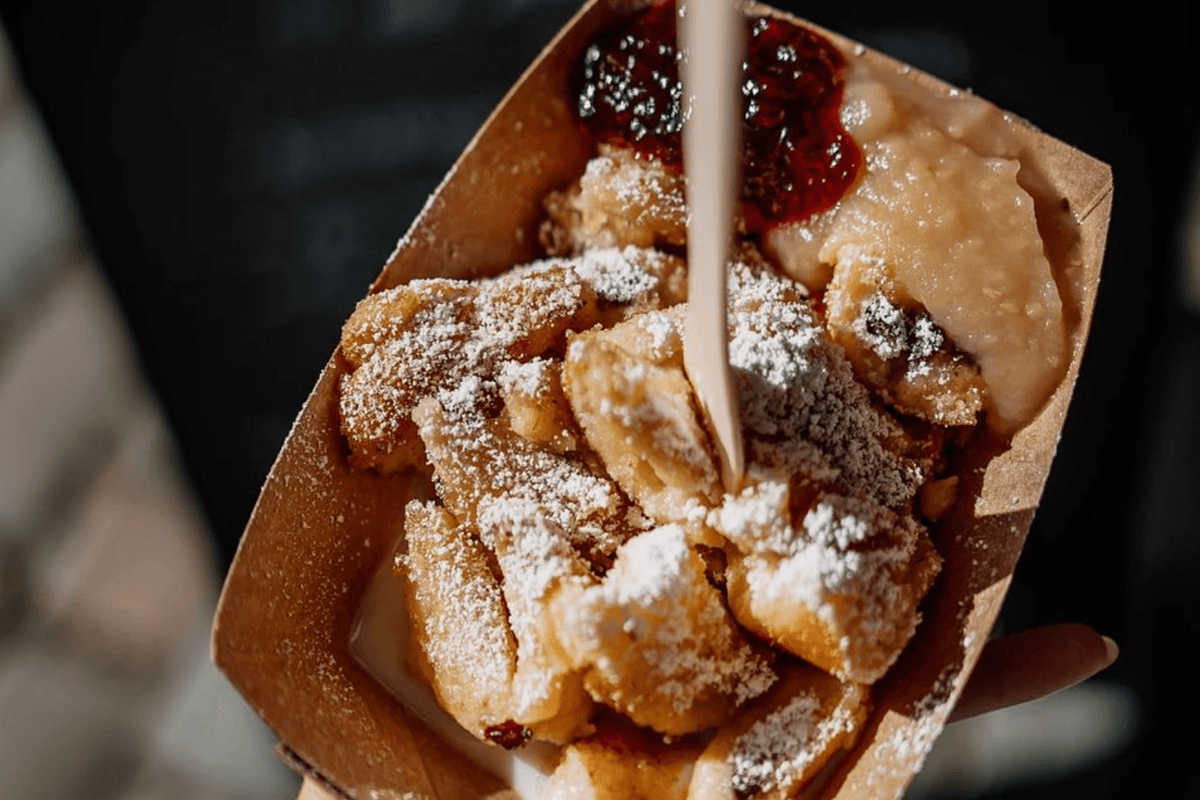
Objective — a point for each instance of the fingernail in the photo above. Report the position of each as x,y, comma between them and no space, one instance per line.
1111,648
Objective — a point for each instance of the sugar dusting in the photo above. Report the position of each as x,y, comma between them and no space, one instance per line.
409,342
535,557
528,379
544,514
671,618
777,751
463,625
476,460
615,275
796,386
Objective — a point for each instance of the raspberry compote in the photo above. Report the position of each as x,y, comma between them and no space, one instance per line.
797,159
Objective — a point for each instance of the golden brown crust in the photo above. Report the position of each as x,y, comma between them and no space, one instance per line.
844,594
620,200
654,640
638,415
780,742
459,631
565,471
619,762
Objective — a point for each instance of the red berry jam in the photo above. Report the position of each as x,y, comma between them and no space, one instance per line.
797,159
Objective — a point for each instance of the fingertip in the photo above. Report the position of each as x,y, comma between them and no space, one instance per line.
1111,650
1032,664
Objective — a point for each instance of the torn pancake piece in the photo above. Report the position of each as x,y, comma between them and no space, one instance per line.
841,589
639,414
619,200
537,562
409,342
654,640
779,743
476,458
619,762
459,634
797,391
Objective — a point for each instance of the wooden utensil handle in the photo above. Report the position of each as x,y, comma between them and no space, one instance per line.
313,789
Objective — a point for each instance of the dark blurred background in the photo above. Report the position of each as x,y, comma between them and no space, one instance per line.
242,170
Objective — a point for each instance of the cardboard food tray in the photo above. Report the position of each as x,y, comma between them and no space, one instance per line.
320,529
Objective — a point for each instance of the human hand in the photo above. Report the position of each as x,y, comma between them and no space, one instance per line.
1033,664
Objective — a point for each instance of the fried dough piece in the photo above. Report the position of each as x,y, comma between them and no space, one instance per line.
538,563
392,314
457,619
776,745
407,343
536,406
621,763
799,395
901,352
842,592
640,417
619,200
655,336
524,313
654,640
542,514
476,458
394,363
629,281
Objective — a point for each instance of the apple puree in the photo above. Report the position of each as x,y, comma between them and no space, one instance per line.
949,239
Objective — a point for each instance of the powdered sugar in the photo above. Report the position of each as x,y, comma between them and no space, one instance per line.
655,639
535,557
462,625
615,275
757,518
476,459
778,750
796,386
528,379
409,342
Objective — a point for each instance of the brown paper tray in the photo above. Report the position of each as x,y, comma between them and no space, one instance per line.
319,530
